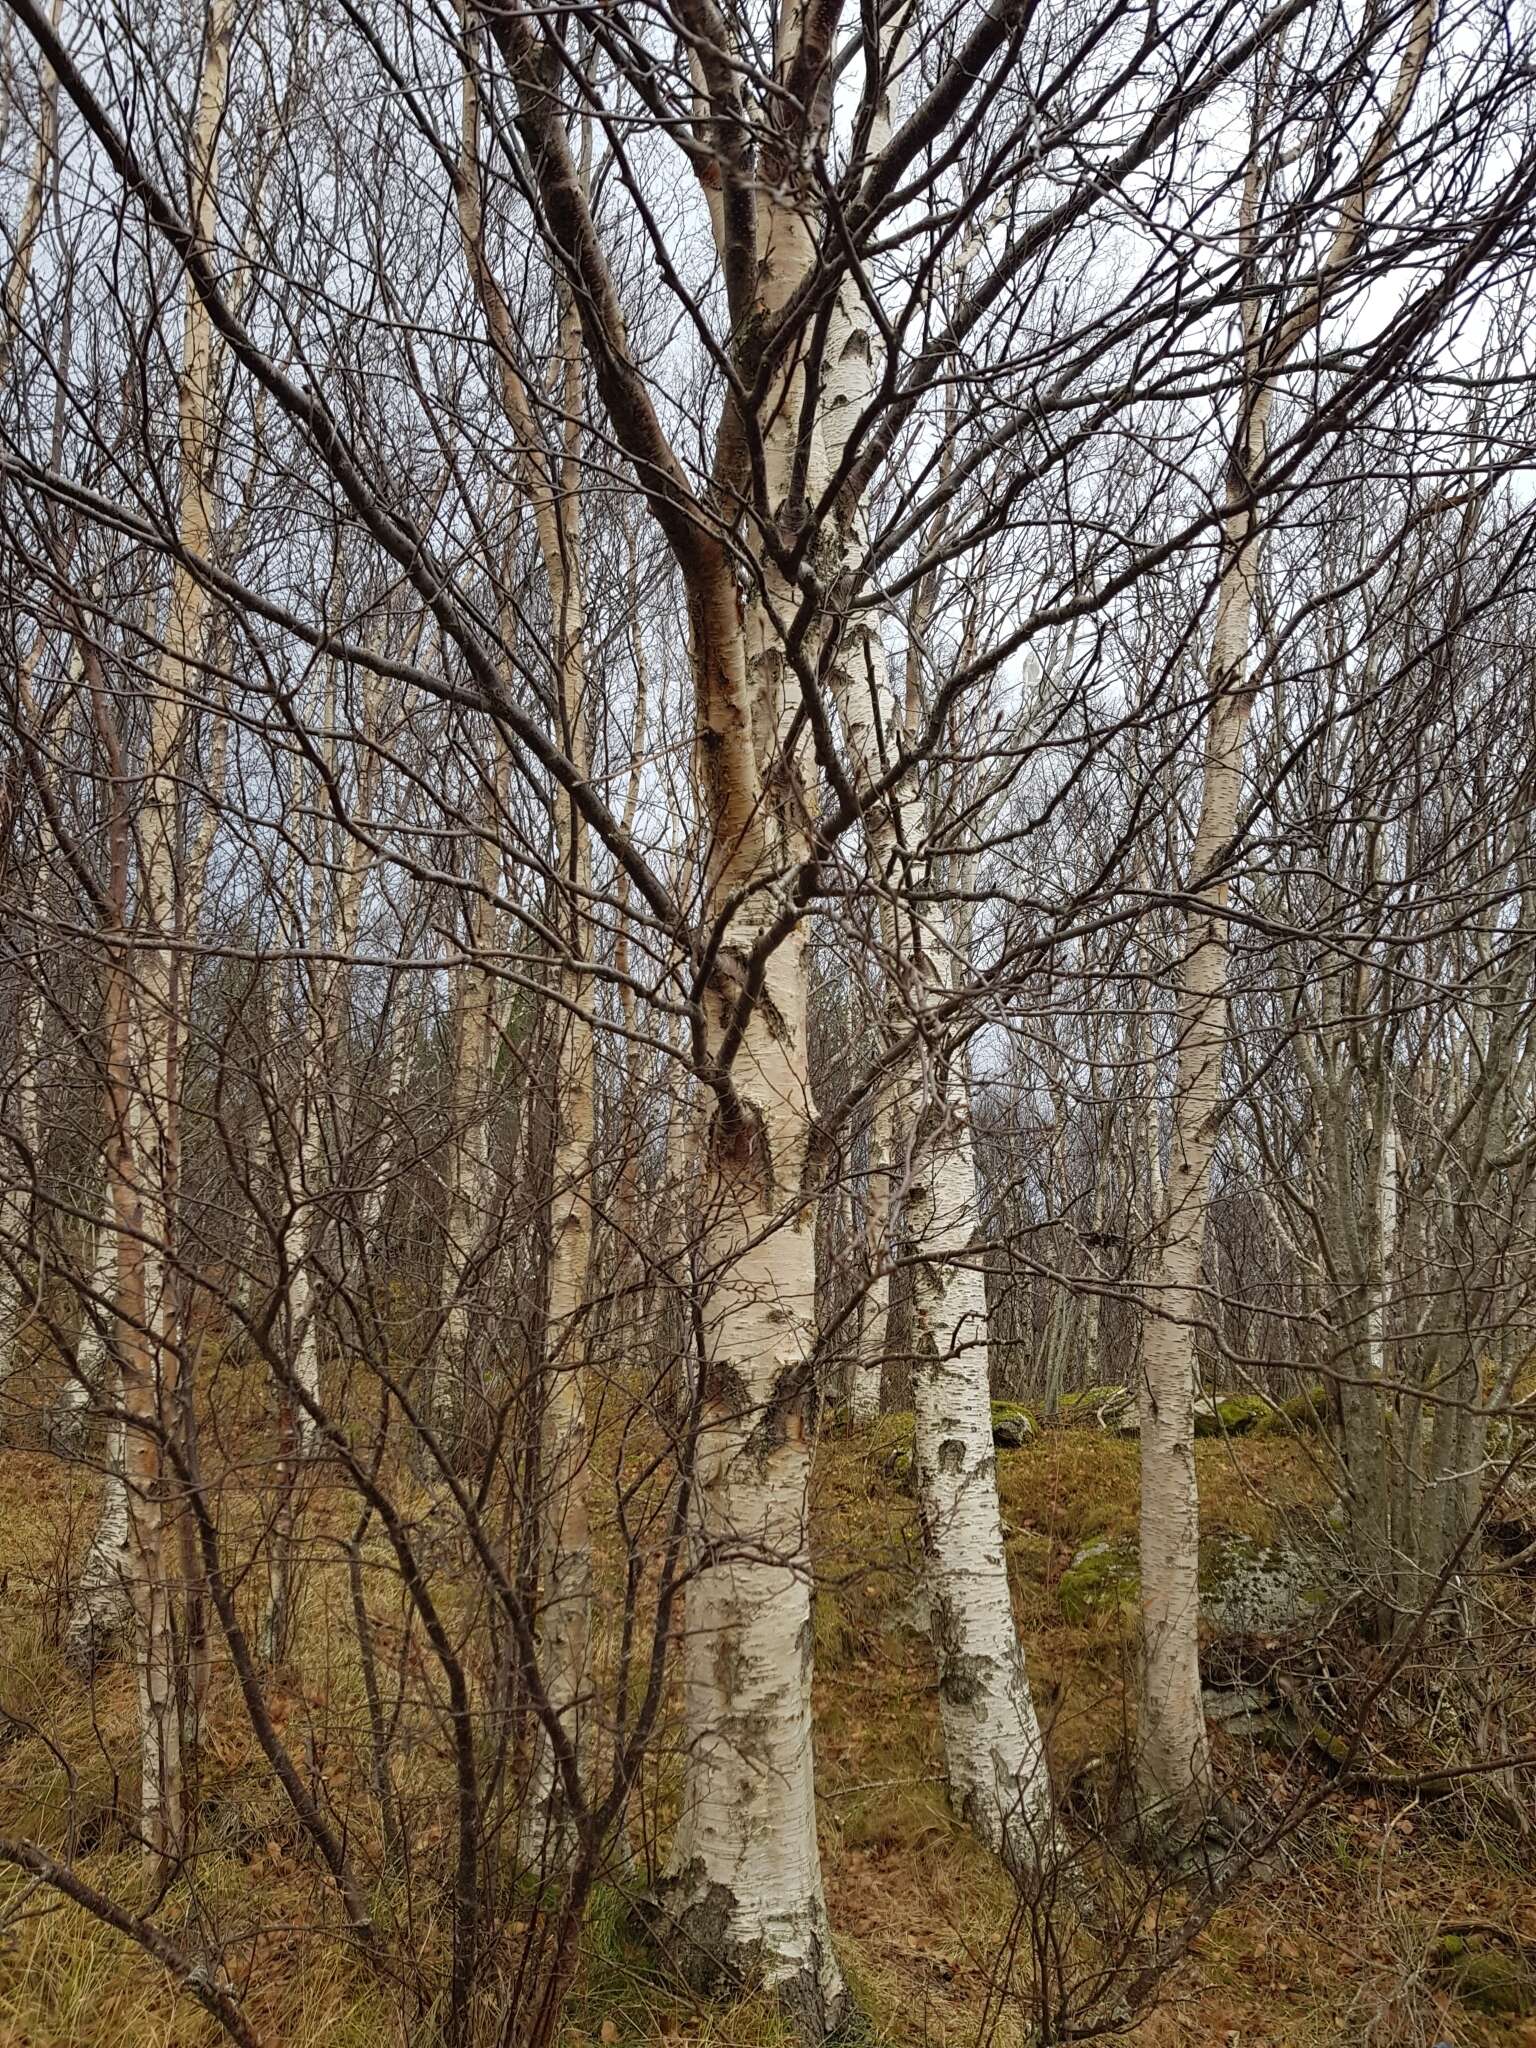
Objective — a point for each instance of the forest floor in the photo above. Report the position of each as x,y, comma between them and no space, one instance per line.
1336,1938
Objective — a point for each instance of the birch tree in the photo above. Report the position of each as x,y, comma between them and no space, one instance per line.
1173,1766
671,385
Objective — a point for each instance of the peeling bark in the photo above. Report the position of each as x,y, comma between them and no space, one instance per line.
104,1603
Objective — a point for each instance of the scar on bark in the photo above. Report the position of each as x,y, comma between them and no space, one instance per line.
739,1149
724,1388
820,1151
783,1416
963,1680
728,1662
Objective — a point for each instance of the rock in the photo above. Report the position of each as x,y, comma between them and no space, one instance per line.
1489,1980
1230,1414
1330,1743
913,1617
1101,1578
1244,1708
1307,1410
1252,1713
1012,1425
1509,1433
1249,1588
1246,1588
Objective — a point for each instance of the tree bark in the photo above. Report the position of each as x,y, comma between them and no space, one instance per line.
552,481
1172,1756
994,1757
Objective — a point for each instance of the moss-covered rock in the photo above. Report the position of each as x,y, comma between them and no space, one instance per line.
893,1449
1491,1980
1094,1407
1230,1414
1102,1578
1307,1410
1246,1588
1013,1425
1249,1588
1329,1743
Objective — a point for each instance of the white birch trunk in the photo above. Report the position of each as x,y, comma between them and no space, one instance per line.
553,483
322,1083
84,1384
300,1238
397,1081
744,1891
31,219
628,1260
104,1604
566,1599
144,1563
18,1251
1376,1448
258,1156
860,685
13,1293
15,1190
150,1057
1172,1755
1147,1169
469,1188
994,1757
743,1895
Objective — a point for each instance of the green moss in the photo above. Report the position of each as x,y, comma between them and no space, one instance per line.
1101,1579
1335,1747
1231,1414
1307,1410
1093,1407
1489,1980
1013,1425
893,1445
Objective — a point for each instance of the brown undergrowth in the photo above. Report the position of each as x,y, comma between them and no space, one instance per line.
1333,1943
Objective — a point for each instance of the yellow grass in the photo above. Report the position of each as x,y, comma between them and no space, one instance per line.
921,1915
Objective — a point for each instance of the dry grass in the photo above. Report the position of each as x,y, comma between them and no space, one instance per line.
1327,1951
